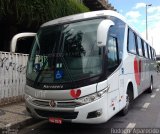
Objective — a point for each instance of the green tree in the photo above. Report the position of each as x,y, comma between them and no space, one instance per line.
39,11
27,15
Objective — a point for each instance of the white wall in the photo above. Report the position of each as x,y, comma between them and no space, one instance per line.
12,77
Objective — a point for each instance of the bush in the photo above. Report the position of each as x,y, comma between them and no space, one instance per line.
38,11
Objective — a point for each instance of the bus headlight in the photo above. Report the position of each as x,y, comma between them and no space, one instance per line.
92,97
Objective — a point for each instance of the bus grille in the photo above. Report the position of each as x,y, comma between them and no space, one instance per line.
60,104
63,115
41,103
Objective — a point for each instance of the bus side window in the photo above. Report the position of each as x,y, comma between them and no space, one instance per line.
131,42
139,45
154,54
149,53
112,53
145,50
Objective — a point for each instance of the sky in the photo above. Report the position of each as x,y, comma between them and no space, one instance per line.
135,13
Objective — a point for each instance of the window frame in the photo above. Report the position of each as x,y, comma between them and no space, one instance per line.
145,49
149,52
130,30
139,40
151,49
111,69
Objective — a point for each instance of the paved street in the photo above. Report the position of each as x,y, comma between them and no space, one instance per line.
144,113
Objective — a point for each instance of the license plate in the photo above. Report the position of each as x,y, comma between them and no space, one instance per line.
55,120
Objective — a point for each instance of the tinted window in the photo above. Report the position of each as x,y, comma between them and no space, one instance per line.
154,55
145,50
66,52
112,52
131,42
149,52
118,31
139,44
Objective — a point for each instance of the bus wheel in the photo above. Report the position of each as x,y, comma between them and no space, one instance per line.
126,108
129,98
150,89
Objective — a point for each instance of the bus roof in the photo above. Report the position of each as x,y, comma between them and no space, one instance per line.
85,15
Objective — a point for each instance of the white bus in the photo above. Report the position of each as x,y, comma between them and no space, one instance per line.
85,68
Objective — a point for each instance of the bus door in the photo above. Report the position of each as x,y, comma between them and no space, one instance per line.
113,75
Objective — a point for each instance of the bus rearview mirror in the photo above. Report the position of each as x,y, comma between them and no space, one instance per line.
102,32
17,37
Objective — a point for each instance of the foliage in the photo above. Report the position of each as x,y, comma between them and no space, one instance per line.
38,11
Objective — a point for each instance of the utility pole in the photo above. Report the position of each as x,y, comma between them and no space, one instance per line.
147,5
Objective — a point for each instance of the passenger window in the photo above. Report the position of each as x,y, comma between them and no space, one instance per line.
149,52
131,42
145,50
112,52
118,31
139,43
154,55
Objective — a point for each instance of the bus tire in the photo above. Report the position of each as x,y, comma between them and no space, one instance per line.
150,89
129,99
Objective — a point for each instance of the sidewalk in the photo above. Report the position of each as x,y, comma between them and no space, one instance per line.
13,115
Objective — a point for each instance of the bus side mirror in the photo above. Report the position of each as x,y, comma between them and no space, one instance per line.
17,37
102,32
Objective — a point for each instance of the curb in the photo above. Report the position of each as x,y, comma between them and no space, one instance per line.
17,126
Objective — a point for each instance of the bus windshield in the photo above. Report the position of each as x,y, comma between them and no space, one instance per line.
65,53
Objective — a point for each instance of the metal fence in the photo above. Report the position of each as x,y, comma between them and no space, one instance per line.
12,77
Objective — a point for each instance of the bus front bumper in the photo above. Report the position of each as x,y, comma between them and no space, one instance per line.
92,113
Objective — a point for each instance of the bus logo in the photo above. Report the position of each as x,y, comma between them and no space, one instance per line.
52,103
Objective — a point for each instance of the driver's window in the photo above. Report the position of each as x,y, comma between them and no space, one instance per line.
112,52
